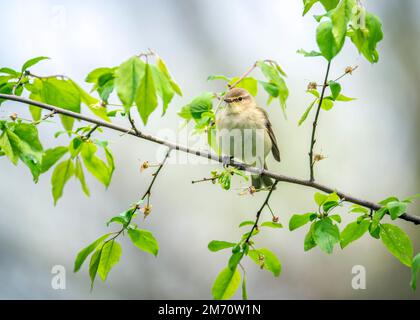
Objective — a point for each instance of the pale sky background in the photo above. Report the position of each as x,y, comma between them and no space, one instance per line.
371,147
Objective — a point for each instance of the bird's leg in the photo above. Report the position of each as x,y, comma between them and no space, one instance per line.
226,161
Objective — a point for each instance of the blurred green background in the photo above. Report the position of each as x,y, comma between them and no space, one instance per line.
370,144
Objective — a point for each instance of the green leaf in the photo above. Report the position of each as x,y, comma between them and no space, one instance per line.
377,217
79,174
217,245
335,88
116,219
63,94
299,220
111,253
226,284
343,98
269,262
308,5
32,62
396,208
94,75
329,4
326,235
366,39
271,224
340,18
272,73
335,217
75,146
199,105
309,53
235,259
306,113
25,143
162,67
246,223
95,165
36,112
249,84
352,232
244,290
320,198
218,77
144,240
127,80
397,242
271,88
7,148
51,156
388,200
146,98
10,71
84,253
94,264
415,268
61,174
309,242
325,40
163,87
359,209
93,104
327,104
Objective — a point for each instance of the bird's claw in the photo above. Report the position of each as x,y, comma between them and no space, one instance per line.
226,161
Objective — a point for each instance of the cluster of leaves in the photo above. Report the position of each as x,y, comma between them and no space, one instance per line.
229,279
138,83
325,233
79,149
327,102
134,80
201,109
224,178
345,18
20,140
106,251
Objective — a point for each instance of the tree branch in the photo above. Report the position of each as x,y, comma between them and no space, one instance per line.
207,155
314,125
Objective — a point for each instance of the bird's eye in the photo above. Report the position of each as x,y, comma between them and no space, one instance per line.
240,99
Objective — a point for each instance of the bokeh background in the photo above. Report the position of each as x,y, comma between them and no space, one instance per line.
371,147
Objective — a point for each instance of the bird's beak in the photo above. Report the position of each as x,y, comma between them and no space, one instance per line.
227,100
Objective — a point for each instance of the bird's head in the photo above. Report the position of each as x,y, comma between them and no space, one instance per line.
238,97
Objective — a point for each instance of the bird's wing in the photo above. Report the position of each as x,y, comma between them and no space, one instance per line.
274,148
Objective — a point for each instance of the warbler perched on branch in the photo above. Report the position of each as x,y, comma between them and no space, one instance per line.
245,132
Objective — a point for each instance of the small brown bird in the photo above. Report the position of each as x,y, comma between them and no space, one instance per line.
245,132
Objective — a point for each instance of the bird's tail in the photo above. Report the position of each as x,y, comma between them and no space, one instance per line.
260,181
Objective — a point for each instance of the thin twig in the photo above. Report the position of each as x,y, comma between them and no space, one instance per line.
314,125
155,174
133,125
147,193
205,180
257,219
208,155
47,77
87,136
233,85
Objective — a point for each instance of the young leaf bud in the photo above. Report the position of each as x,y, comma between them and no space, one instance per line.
144,166
312,86
13,116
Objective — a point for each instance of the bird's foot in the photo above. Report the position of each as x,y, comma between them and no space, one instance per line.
226,161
